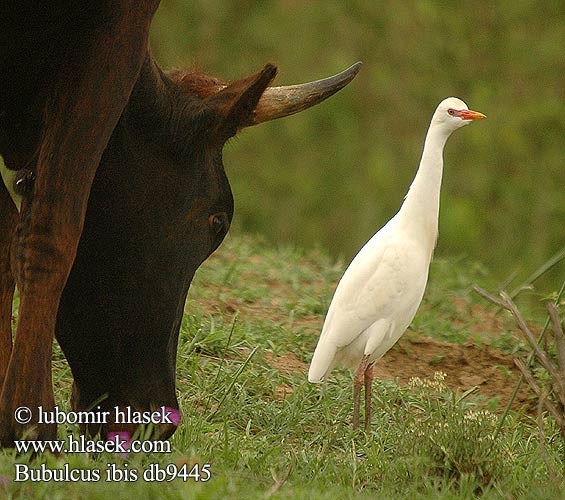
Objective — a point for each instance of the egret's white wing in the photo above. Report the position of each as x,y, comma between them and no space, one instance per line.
365,290
384,281
360,299
346,317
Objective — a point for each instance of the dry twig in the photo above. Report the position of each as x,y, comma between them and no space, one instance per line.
542,438
556,408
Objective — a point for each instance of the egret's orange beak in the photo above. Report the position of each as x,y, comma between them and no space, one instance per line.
468,114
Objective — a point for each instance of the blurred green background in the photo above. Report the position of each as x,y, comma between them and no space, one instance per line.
333,175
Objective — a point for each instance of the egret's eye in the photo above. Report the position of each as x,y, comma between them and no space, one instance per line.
218,222
451,111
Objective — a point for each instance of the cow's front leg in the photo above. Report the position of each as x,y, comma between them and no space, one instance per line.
42,253
83,107
8,221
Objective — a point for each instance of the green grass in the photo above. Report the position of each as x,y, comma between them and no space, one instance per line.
252,320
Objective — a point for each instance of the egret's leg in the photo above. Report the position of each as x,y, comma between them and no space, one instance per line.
357,383
356,398
368,392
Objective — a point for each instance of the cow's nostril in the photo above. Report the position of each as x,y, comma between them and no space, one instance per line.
174,415
123,438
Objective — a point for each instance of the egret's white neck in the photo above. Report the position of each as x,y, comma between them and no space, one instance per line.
420,211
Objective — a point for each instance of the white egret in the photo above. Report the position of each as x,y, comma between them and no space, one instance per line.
381,290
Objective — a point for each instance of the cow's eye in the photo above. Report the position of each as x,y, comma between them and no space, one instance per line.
218,222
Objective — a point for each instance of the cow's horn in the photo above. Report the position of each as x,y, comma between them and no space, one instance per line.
277,102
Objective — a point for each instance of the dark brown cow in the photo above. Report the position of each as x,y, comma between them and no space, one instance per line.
124,196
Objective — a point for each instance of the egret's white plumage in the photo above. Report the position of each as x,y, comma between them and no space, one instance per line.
381,290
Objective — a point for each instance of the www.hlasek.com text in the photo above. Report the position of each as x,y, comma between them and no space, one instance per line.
81,444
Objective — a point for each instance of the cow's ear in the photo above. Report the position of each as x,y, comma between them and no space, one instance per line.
236,103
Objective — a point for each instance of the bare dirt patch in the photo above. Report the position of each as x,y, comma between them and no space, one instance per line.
491,371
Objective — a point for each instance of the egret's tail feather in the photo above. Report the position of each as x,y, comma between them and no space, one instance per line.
322,363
